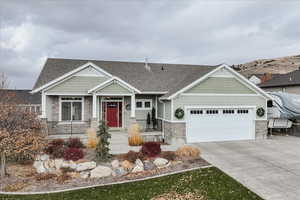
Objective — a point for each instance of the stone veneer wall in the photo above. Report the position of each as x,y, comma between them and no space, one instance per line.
261,129
175,133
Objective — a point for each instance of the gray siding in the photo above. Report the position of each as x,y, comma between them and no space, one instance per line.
114,88
167,110
220,86
77,84
160,110
182,101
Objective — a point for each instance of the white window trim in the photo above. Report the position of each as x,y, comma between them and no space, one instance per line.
60,109
143,104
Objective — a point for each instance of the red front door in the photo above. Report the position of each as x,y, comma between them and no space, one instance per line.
112,114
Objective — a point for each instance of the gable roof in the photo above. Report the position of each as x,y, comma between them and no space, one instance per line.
21,96
289,79
161,78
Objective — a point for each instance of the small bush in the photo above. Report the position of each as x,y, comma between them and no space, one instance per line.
151,149
63,178
55,148
135,138
132,156
57,142
15,186
74,143
73,154
188,152
45,176
169,155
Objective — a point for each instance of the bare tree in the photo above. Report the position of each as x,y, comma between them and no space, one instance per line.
4,82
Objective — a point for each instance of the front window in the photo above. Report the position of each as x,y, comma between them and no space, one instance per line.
71,109
143,104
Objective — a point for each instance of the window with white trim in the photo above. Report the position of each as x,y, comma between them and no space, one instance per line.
143,104
71,109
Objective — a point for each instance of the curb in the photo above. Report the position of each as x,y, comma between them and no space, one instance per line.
105,184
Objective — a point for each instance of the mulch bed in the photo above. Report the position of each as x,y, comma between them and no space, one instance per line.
26,174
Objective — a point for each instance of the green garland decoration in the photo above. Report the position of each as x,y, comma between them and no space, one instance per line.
179,113
260,112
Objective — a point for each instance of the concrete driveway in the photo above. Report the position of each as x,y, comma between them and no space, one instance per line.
270,168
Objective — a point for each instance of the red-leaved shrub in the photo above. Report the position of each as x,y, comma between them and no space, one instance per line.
151,149
74,143
56,148
73,154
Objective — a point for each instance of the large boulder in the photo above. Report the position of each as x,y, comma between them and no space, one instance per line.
161,162
85,175
58,163
39,167
139,166
115,164
69,164
148,165
86,166
42,157
49,165
127,165
101,171
120,171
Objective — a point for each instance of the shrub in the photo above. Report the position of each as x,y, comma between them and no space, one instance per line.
45,176
57,142
92,138
74,143
188,152
15,186
102,149
132,156
63,178
169,155
73,154
55,148
151,149
135,138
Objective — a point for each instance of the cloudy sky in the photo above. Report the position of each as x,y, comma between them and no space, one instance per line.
174,31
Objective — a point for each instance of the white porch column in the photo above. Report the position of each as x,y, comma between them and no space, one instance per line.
94,106
132,106
44,115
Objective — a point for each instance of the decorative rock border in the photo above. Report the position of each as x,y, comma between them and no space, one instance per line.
106,184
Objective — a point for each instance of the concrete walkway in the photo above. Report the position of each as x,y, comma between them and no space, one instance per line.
270,168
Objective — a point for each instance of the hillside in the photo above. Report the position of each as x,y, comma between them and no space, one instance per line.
275,66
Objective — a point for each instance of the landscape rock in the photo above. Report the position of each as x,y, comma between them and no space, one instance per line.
58,163
161,162
86,166
115,164
39,167
127,165
148,165
84,175
42,157
139,166
120,171
101,171
69,164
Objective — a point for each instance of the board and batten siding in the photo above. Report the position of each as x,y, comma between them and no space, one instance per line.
168,112
114,88
182,101
220,85
160,110
77,84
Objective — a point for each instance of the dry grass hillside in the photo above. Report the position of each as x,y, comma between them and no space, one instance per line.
275,66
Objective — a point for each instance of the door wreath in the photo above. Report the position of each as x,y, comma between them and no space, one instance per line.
260,112
179,113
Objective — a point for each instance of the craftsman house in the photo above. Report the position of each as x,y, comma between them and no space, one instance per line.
193,103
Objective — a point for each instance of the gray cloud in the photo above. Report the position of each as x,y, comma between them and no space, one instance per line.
195,32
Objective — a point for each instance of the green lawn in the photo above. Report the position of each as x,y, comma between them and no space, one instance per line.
209,182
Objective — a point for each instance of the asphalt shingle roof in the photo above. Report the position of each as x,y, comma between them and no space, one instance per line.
20,96
161,78
289,79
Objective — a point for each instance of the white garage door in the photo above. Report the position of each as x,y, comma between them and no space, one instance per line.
219,124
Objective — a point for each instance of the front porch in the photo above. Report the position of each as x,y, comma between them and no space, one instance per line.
119,140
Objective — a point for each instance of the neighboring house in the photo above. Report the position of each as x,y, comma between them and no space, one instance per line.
23,98
261,78
218,103
289,83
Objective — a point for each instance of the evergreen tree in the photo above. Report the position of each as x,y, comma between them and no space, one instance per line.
154,121
148,120
102,149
